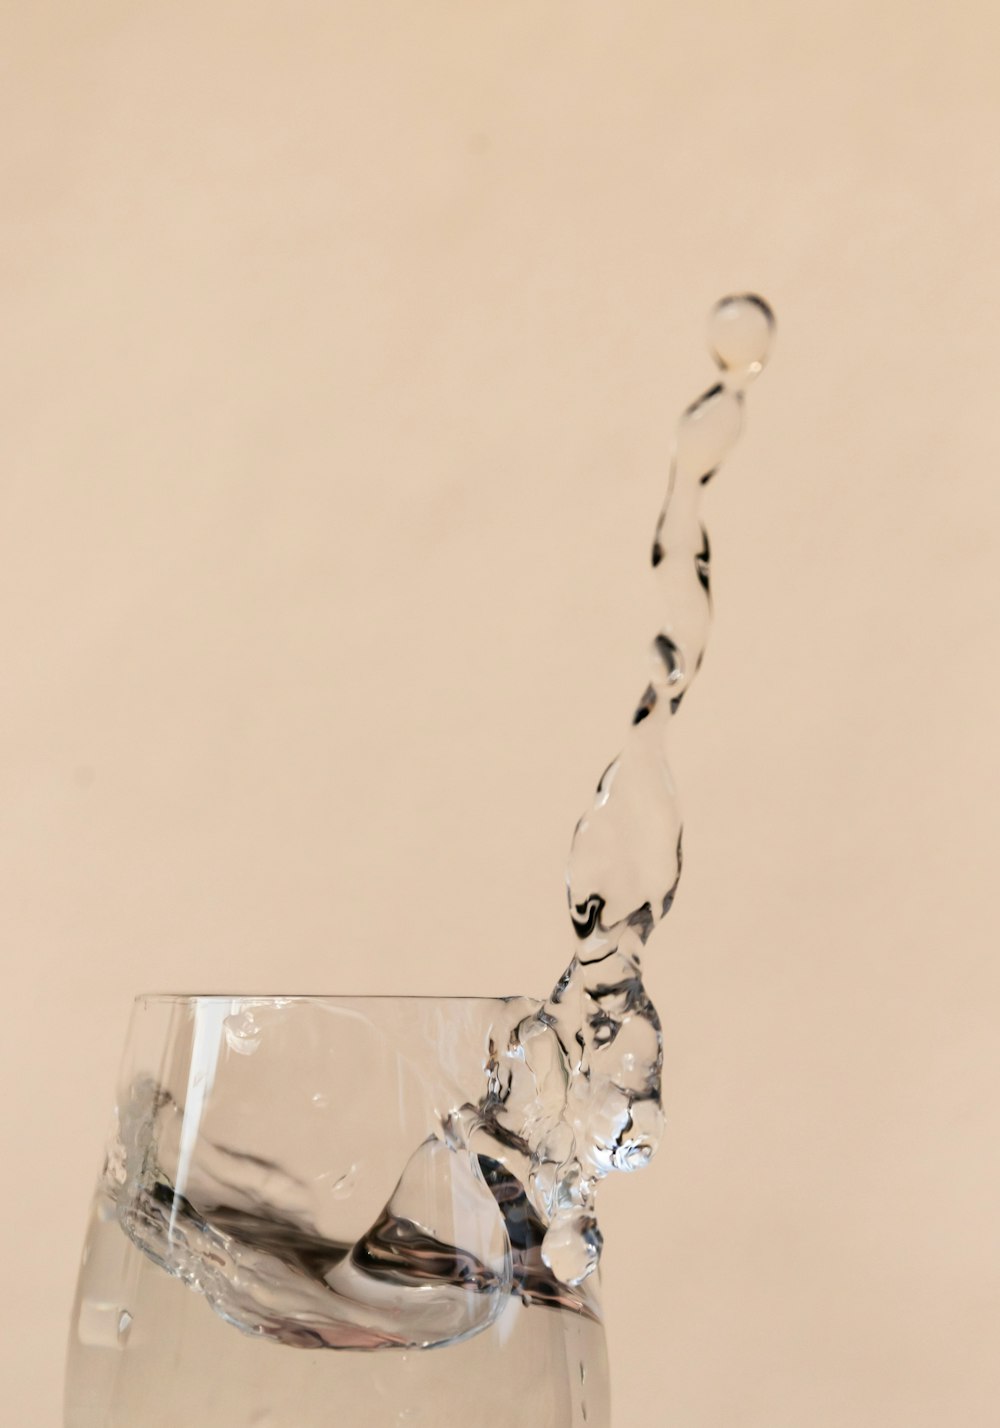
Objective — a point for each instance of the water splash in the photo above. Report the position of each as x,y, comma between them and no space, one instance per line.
572,1083
580,1093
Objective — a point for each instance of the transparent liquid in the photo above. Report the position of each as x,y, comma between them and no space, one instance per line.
146,1352
604,1113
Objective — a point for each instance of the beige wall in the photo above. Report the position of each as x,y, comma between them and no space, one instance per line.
342,345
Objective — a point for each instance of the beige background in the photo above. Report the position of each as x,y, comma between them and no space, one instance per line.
342,346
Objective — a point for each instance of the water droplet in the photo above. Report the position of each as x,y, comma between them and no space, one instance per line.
124,1325
740,332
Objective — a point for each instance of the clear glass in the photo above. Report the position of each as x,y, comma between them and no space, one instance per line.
296,1226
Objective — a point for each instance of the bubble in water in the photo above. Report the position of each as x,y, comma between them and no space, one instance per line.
340,1184
102,1324
345,1183
740,332
242,1031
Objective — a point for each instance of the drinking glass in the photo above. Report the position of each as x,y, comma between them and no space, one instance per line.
297,1225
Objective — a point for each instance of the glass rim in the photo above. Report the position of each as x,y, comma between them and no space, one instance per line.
328,997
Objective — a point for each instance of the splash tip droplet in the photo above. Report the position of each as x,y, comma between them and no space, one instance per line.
741,331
